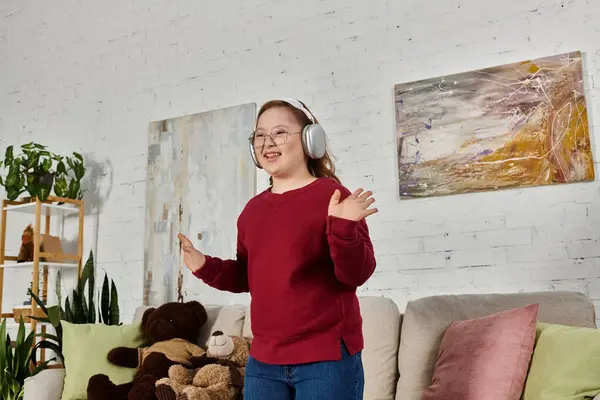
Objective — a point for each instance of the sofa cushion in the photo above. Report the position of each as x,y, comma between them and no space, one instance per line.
565,364
228,319
85,347
486,357
46,384
426,319
381,331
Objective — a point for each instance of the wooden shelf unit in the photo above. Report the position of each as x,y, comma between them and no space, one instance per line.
39,209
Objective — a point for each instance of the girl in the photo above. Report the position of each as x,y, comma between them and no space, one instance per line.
303,248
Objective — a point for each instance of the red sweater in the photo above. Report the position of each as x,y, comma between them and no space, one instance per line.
302,268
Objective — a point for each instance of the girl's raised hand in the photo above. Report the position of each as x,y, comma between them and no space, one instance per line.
192,258
354,207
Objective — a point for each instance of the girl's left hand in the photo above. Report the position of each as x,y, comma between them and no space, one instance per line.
354,207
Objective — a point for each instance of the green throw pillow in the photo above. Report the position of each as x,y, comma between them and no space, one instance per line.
85,347
565,364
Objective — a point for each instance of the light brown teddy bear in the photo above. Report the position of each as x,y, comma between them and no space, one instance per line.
219,374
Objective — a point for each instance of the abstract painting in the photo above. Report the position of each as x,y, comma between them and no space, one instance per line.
518,125
200,176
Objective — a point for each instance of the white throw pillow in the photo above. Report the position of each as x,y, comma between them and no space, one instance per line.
47,384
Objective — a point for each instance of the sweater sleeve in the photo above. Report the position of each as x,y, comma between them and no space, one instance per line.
230,275
351,250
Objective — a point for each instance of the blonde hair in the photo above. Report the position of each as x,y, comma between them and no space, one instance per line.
320,168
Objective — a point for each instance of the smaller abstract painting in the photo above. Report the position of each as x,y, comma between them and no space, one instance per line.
518,125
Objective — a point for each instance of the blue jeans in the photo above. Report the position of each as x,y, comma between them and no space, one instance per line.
327,380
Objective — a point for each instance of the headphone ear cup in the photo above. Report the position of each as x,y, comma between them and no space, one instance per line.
253,155
314,141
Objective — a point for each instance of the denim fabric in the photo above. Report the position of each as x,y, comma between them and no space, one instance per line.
327,380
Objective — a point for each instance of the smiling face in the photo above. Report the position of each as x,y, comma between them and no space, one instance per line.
280,157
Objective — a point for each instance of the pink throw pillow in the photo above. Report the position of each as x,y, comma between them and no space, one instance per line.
485,358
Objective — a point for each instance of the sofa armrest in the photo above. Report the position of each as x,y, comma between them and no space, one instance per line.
47,384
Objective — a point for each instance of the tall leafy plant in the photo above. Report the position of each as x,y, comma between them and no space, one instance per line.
16,362
80,307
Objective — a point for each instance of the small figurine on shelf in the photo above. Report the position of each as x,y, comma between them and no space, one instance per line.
26,250
25,309
28,301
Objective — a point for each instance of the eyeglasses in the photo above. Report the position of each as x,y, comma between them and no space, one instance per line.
278,138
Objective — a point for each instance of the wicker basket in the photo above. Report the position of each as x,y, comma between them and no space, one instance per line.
25,312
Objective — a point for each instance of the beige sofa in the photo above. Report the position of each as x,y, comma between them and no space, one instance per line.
400,349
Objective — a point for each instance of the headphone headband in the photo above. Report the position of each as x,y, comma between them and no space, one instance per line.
297,104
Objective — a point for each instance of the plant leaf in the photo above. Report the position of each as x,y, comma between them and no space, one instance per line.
12,194
21,331
73,189
48,336
60,167
8,155
45,344
91,289
44,320
58,290
41,367
86,273
54,315
105,301
4,348
60,186
39,302
79,171
9,357
46,165
114,305
77,308
43,192
68,311
84,309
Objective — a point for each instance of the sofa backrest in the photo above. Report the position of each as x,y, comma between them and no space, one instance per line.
381,327
401,349
426,319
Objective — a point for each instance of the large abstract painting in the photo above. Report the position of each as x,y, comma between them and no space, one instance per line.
200,176
518,125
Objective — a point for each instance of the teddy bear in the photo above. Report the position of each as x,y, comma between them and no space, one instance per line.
219,374
172,329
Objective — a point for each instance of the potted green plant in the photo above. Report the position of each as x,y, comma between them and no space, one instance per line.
16,362
37,171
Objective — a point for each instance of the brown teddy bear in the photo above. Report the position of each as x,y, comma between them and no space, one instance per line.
219,374
172,329
26,249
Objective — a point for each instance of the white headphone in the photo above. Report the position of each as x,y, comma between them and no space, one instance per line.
313,135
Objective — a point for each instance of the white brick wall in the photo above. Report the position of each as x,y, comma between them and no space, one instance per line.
89,76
